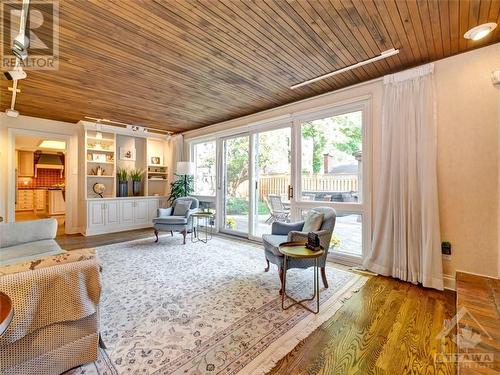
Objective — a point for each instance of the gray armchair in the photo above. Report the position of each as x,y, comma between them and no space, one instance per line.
172,219
283,232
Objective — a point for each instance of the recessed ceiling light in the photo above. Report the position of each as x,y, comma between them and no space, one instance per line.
480,31
57,145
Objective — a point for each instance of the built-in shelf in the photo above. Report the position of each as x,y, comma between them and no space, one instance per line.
100,150
100,162
158,173
97,176
108,140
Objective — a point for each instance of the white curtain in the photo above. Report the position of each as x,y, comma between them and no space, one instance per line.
406,242
178,142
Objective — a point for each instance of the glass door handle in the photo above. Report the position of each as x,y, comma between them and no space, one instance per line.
290,192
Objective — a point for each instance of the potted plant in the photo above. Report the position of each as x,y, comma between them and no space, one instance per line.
136,176
181,187
122,176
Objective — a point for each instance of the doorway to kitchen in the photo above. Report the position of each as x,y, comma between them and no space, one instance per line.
39,177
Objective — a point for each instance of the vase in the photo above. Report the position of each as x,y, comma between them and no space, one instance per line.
123,189
136,188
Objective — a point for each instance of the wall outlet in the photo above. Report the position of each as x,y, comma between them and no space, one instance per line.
446,248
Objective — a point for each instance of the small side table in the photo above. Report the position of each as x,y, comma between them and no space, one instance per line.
6,312
299,250
207,218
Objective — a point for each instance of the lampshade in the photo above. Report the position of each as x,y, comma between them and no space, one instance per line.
185,168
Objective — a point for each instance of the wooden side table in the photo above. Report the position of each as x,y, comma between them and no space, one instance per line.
300,251
6,312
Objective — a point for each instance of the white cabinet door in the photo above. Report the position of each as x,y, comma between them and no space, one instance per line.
141,211
96,214
112,213
127,212
153,205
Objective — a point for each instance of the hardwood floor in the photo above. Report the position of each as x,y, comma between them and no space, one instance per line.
388,327
481,298
77,241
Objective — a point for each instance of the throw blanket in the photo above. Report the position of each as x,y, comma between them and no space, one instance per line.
50,290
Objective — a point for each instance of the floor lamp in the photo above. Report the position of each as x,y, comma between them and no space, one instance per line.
185,168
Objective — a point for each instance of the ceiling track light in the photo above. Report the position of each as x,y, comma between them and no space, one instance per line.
135,128
383,55
480,31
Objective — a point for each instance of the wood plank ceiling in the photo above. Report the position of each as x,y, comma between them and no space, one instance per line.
180,65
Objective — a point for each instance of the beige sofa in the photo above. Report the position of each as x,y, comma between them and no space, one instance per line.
55,297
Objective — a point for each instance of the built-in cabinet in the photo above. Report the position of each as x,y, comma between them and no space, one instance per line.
25,164
108,149
114,215
31,200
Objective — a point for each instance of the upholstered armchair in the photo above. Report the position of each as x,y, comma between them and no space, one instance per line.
284,232
177,217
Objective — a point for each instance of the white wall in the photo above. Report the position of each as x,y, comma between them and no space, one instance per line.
56,128
468,157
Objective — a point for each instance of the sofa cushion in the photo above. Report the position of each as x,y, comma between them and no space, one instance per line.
273,241
181,208
312,221
12,234
171,220
26,252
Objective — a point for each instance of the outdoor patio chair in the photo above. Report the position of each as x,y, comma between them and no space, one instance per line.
278,210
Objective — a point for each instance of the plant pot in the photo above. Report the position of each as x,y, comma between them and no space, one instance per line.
123,189
136,188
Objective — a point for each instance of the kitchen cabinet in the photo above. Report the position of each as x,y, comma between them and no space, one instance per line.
24,200
57,206
25,164
40,199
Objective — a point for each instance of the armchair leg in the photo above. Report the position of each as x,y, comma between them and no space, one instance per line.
172,233
323,277
281,273
267,268
184,232
156,234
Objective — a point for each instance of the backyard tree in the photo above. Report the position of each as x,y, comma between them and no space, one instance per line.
317,135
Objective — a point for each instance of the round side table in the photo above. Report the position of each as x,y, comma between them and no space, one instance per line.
300,251
6,312
207,219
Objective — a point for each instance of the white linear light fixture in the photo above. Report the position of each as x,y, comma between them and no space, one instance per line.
383,55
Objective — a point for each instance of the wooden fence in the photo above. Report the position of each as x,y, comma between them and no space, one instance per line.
278,183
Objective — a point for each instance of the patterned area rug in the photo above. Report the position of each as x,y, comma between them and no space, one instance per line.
202,308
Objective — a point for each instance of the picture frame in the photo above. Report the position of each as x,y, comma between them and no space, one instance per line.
99,158
127,153
155,160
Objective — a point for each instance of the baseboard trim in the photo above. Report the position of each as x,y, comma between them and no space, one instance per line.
478,274
449,282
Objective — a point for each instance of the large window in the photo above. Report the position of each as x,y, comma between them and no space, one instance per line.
205,173
331,175
331,158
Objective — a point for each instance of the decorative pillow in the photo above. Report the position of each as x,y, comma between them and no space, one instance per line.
313,221
162,212
49,261
181,208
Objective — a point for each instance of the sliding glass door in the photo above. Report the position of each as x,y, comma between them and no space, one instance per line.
279,172
272,179
235,185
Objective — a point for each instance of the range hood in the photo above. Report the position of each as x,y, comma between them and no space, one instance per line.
49,161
